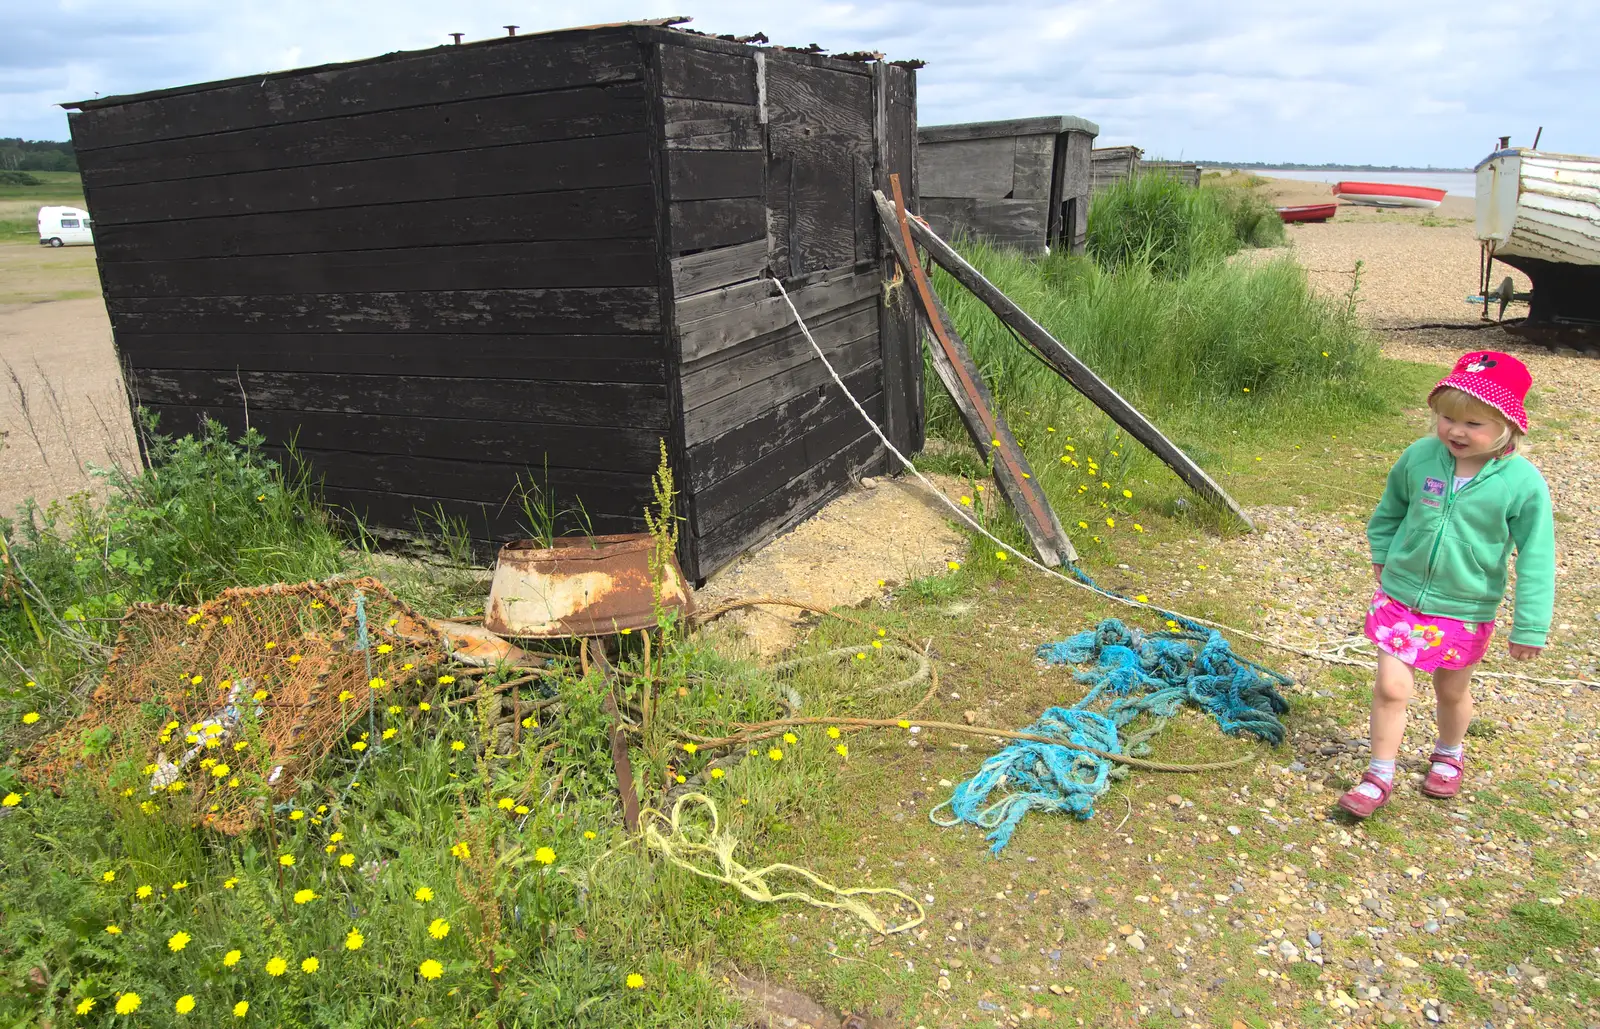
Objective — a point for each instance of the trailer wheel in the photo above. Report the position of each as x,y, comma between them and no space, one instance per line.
55,241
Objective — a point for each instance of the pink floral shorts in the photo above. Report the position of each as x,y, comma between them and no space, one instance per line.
1425,642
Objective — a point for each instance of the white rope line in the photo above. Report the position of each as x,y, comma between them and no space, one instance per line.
973,524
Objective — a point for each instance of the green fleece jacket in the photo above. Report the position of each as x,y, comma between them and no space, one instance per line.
1444,551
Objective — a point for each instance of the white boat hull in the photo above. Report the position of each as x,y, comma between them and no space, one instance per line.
1381,200
1540,206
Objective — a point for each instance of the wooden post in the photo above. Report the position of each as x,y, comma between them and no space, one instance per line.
620,762
1079,375
983,420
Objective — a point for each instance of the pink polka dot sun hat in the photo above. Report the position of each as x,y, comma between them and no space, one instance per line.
1497,379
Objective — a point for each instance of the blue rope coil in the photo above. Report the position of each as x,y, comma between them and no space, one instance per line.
1136,674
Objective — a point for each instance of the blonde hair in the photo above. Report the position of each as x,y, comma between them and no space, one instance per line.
1461,405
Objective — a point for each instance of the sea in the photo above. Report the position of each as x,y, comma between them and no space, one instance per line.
1460,184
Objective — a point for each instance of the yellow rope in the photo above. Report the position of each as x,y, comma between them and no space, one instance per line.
668,835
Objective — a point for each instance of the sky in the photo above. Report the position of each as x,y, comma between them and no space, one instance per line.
1402,82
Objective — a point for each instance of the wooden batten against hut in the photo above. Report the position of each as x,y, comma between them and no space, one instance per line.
1188,174
1113,164
1022,183
531,258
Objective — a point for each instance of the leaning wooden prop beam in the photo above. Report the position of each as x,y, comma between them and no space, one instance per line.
982,418
1079,375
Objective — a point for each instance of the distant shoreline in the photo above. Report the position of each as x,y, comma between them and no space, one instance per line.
1288,166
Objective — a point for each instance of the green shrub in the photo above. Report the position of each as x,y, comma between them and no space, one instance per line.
19,178
1159,222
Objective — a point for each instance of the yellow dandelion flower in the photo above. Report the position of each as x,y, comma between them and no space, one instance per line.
231,958
286,860
384,648
588,834
242,1008
310,965
185,1004
195,680
445,680
296,815
680,779
842,749
358,746
377,683
438,928
128,1003
194,619
1141,598
144,892
506,804
775,754
902,723
305,896
234,782
966,501
30,718
389,733
430,969
424,706
833,732
394,709
1001,555
423,894
461,851
177,941
354,940
346,695
269,645
545,856
1111,522
690,748
790,738
108,876
717,773
181,884
230,882
1137,527
954,566
84,1005
522,809
336,837
635,981
877,644
114,930
259,695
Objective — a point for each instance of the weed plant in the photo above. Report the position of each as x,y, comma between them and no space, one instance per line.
1162,223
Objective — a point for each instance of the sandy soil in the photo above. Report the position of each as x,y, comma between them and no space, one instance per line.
62,404
1416,266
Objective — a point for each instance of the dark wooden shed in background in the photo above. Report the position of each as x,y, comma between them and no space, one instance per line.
1022,183
1185,172
439,271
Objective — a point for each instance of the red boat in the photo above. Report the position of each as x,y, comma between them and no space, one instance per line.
1388,194
1308,212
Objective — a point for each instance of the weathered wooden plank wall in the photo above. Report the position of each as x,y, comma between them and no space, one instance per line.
1009,183
1114,164
767,436
438,273
1188,174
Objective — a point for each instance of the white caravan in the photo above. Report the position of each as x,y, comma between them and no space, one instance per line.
64,226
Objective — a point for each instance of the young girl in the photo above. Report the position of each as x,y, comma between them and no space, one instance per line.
1455,505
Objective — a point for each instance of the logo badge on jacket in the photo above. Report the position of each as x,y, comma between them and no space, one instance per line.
1432,491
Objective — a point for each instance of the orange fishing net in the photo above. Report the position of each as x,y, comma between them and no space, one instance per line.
217,710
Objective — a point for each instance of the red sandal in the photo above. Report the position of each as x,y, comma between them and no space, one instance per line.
1439,787
1361,805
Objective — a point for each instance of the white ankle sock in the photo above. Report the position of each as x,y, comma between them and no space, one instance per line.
1442,770
1383,770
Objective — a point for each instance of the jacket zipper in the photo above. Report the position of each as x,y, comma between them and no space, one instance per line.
1444,520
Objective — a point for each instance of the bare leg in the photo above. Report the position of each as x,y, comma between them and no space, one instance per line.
1390,692
1453,699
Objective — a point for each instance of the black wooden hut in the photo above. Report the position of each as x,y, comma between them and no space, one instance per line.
1020,183
439,272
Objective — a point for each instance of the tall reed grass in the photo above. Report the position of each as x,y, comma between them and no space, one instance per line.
1174,228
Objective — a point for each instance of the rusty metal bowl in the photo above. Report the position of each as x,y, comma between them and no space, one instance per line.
582,586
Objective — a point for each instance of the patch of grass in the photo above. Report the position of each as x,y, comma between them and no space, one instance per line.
1544,926
1306,974
1453,984
1523,826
